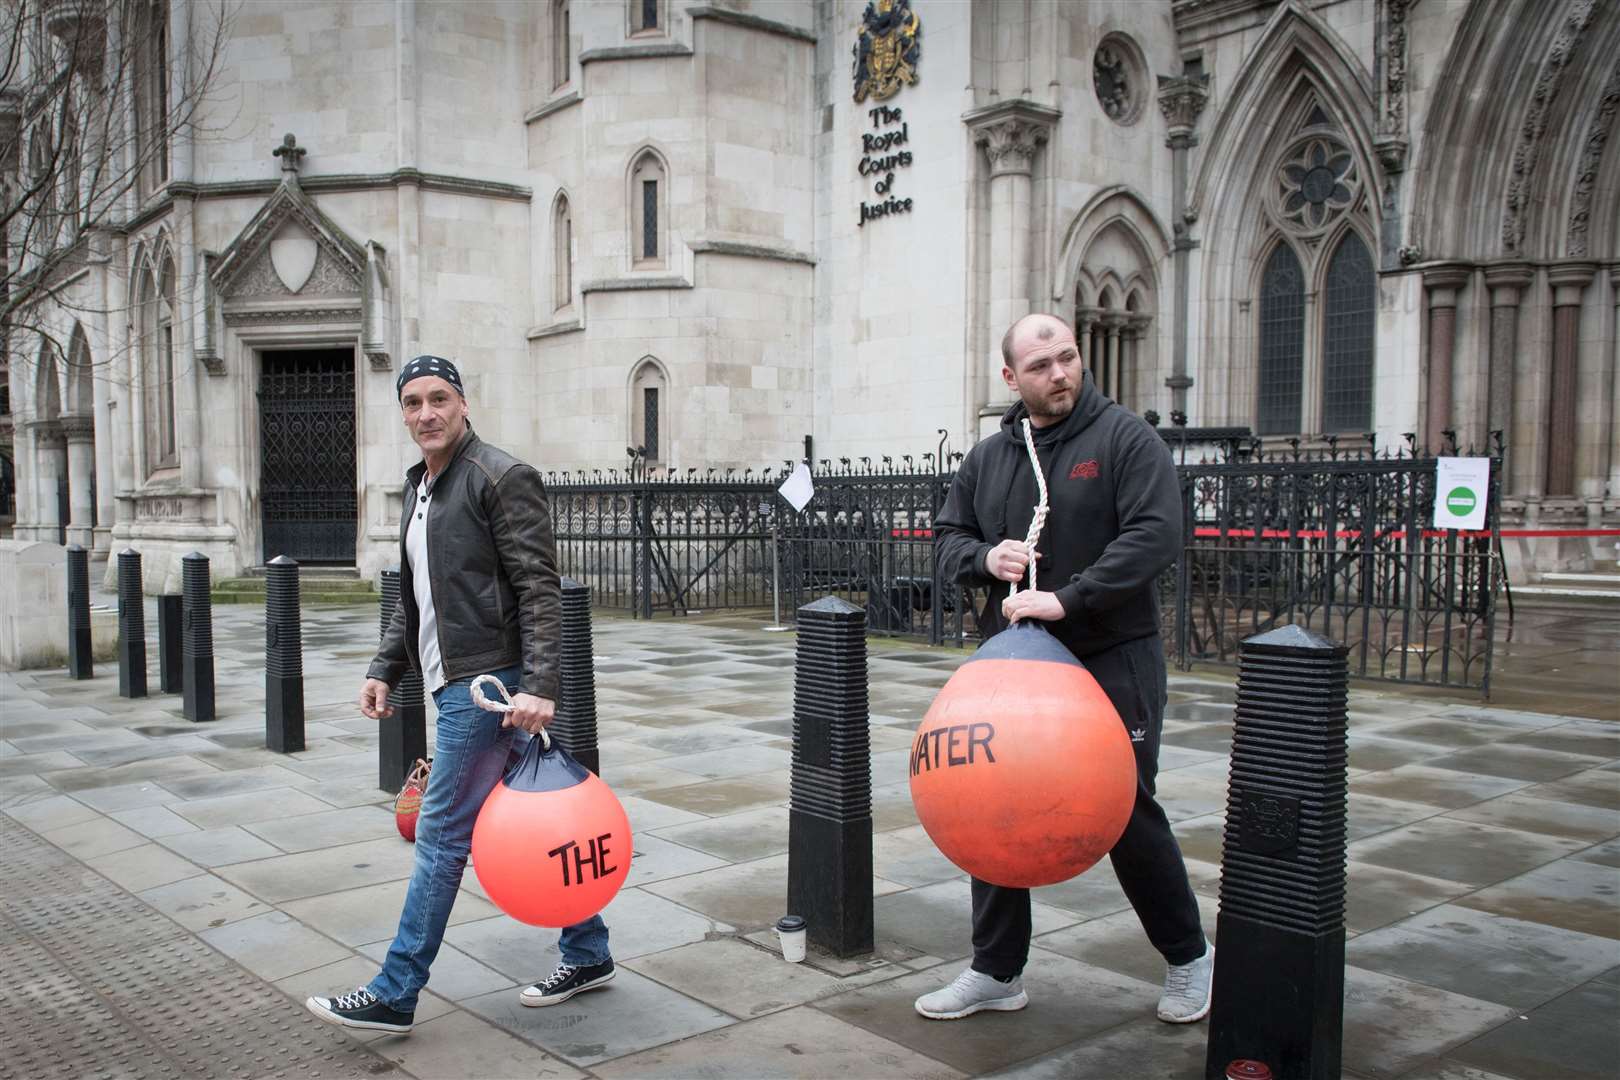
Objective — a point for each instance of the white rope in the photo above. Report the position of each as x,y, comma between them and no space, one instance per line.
1039,520
502,706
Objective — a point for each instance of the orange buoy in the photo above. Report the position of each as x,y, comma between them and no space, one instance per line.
1021,772
552,843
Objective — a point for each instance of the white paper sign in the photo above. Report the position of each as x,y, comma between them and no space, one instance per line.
797,488
1460,486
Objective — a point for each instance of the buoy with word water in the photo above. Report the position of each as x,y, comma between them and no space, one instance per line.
552,843
1021,772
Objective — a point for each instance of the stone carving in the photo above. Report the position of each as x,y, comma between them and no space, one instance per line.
1111,78
1011,144
1392,120
1182,101
886,49
328,277
1527,149
1597,134
1316,181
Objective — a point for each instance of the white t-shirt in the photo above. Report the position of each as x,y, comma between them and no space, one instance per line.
416,550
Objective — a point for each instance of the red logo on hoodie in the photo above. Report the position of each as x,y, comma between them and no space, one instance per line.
1086,470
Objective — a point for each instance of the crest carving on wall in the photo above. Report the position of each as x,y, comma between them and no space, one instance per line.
886,49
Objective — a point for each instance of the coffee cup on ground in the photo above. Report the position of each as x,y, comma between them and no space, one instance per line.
790,931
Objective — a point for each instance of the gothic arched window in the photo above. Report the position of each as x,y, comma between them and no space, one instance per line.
648,405
1282,342
561,58
1347,338
152,95
649,197
646,17
562,270
155,315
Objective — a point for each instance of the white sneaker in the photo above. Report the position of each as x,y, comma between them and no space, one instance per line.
1187,989
972,992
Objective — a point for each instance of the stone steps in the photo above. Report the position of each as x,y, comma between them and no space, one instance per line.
316,585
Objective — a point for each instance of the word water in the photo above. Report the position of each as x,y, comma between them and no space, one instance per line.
942,747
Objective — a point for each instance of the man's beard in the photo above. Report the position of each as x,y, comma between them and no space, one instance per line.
1048,409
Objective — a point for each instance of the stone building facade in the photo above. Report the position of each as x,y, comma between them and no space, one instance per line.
671,225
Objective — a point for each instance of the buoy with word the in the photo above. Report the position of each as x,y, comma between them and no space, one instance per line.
552,843
1021,772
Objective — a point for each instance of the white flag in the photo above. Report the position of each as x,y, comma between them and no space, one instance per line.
797,488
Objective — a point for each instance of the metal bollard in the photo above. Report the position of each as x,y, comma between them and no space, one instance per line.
283,659
197,676
170,618
830,808
131,626
575,725
1279,975
80,662
402,738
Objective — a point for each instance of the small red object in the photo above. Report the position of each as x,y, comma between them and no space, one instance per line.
1244,1069
408,803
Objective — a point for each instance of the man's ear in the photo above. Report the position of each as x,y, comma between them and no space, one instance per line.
1007,377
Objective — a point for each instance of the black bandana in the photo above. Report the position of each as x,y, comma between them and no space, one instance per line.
429,365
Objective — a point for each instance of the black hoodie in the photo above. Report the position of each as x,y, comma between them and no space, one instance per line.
1113,520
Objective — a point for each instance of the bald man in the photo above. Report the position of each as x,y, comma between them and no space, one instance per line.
1113,524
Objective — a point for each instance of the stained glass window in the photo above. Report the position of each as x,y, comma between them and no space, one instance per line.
649,219
1282,342
1347,338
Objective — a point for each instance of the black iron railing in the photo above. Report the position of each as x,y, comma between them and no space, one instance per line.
1335,538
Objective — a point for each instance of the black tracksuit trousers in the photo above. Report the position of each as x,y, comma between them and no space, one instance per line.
1146,860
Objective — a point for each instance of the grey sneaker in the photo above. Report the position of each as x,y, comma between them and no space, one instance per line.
972,992
1187,989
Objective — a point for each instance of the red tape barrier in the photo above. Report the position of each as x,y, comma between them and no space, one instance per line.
1321,534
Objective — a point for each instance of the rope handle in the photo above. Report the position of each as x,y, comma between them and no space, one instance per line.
502,706
1039,520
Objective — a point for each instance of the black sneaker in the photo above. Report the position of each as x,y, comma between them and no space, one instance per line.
361,1009
565,982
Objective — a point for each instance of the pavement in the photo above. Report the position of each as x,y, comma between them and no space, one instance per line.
173,891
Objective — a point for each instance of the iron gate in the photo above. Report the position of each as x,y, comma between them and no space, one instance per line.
307,491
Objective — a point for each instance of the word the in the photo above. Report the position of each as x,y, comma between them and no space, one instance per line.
596,860
959,740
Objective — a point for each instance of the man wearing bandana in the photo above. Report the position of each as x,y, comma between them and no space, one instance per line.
479,595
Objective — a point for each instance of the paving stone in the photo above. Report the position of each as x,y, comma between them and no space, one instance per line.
1441,730
1527,813
125,797
219,847
37,764
1445,788
163,770
1375,754
459,1046
273,945
1369,815
88,839
644,777
203,901
1068,1001
1487,956
1516,761
937,919
1604,854
1142,1047
698,740
1450,1070
731,761
631,1013
1595,787
739,978
329,828
1591,737
909,857
235,782
55,812
1573,1036
344,975
22,790
1201,838
1569,893
312,873
264,804
454,975
656,859
1377,896
801,1044
371,913
144,867
1184,796
153,821
1461,850
1117,942
716,798
1392,1025
340,767
351,792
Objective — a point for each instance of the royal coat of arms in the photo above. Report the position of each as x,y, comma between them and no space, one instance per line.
886,50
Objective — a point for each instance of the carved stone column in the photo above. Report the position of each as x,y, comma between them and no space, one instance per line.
1182,101
1443,283
1613,442
1011,135
1109,384
1569,281
50,465
1506,282
1085,323
80,431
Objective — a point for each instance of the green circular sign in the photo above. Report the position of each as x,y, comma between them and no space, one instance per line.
1461,500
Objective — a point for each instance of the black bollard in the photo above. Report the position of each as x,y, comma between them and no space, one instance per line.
1279,974
283,658
197,676
170,661
830,809
131,626
575,725
80,664
402,738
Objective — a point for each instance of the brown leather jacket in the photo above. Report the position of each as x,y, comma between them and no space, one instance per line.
493,561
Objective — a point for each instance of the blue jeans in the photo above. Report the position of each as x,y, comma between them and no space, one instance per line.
471,751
